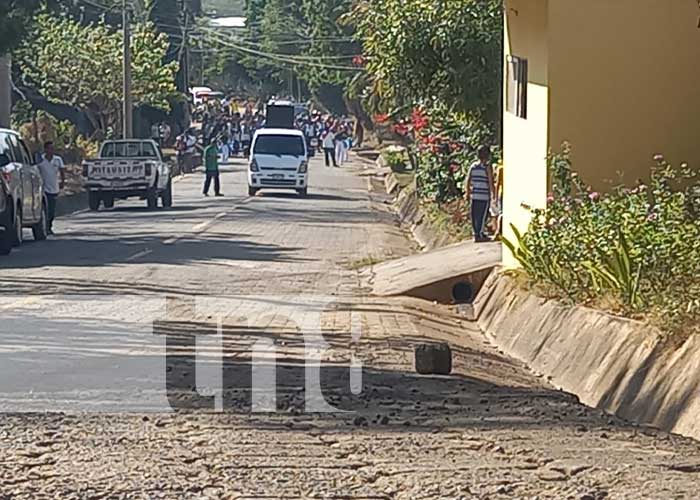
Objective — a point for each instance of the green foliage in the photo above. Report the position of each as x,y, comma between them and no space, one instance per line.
444,50
445,146
330,41
395,158
40,127
81,66
16,19
635,250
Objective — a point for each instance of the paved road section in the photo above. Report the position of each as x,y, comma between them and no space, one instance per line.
305,387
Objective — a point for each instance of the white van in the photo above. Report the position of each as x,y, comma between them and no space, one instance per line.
278,160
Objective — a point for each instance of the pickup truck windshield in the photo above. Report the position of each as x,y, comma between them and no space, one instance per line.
128,150
279,145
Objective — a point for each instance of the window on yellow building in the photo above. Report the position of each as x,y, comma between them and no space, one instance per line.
516,90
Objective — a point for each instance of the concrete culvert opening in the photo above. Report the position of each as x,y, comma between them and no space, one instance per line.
463,293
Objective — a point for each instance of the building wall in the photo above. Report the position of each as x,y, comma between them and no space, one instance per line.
526,140
624,82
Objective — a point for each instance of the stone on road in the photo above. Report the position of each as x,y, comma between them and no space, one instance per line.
83,376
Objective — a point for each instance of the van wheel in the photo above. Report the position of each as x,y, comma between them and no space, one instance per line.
303,192
167,196
252,191
94,200
108,201
40,230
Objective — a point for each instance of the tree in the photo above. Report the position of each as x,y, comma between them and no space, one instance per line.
444,50
81,66
15,20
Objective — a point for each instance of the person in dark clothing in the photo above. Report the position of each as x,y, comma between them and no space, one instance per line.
211,167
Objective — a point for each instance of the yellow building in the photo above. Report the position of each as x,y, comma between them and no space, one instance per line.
618,79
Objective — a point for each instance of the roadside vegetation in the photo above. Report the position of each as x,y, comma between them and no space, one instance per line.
634,252
433,73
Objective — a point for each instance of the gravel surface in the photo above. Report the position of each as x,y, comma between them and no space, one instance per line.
491,430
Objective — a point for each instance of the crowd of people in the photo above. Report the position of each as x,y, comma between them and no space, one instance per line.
227,129
231,127
329,133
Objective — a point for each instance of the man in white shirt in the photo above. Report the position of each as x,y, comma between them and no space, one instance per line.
329,148
51,168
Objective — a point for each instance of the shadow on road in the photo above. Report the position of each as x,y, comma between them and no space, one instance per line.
94,249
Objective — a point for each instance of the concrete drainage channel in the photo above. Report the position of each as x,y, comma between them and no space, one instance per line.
624,367
461,290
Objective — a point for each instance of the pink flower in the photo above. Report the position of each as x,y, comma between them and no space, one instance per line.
594,196
653,217
658,157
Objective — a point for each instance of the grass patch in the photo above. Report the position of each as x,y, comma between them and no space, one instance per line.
368,261
450,219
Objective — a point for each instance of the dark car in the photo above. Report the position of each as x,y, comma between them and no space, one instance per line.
22,199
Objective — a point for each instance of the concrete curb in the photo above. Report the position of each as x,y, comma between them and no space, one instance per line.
412,215
624,367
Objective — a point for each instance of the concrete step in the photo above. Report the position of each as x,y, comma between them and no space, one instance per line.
432,275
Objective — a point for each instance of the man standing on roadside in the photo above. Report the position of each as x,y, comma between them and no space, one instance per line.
211,167
328,143
51,168
480,190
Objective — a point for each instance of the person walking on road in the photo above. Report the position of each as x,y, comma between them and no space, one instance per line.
339,145
329,147
211,167
480,192
52,168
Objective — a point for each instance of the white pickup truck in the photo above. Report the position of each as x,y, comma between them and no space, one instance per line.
127,169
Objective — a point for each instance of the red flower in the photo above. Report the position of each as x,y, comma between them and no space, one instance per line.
359,60
454,167
419,120
381,118
401,129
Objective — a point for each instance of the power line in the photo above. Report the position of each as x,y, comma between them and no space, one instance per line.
293,60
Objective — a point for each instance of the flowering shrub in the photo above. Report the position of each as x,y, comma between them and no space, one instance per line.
445,146
636,250
396,158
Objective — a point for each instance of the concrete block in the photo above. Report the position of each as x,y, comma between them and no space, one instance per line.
433,359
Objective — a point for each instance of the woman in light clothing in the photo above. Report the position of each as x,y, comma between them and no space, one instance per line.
340,154
480,192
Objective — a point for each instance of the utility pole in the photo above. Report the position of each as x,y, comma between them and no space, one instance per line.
128,118
5,91
184,56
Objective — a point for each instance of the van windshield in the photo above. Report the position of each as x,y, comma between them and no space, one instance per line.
279,145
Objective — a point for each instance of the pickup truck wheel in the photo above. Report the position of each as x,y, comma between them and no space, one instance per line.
108,201
94,201
167,196
152,198
252,191
7,237
302,192
40,230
